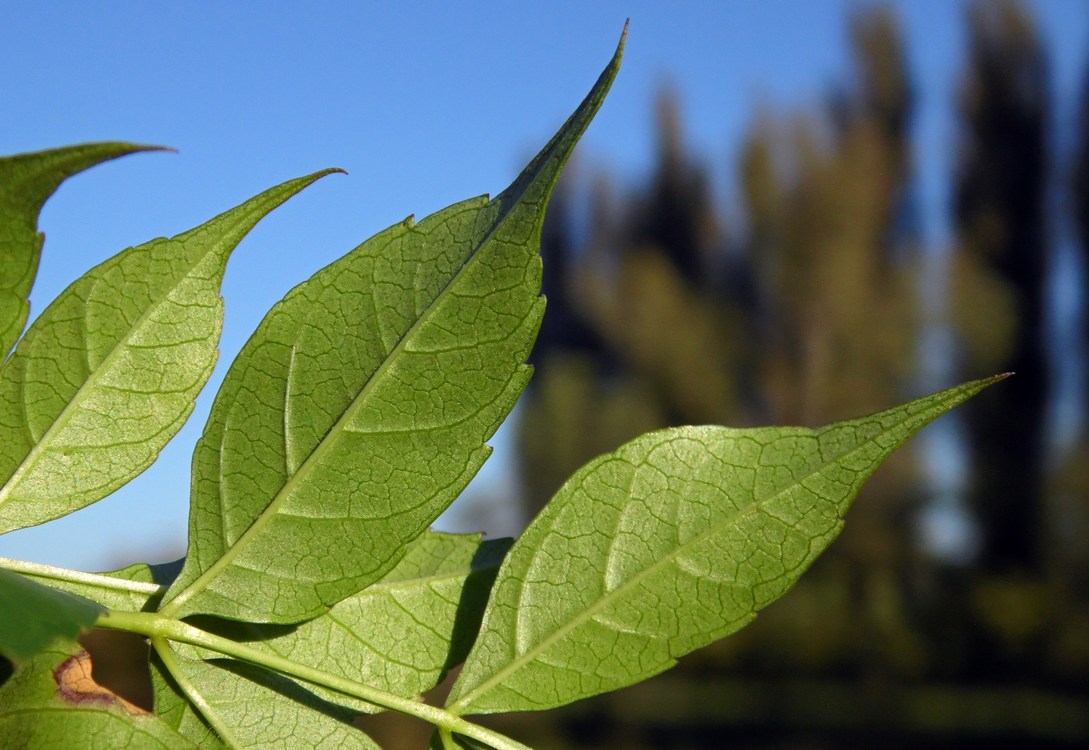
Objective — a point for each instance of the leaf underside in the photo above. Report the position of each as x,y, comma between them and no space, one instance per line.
255,708
670,543
405,631
360,407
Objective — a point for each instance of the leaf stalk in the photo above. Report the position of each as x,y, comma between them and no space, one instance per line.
52,572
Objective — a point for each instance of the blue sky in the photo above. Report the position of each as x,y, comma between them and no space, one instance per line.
424,104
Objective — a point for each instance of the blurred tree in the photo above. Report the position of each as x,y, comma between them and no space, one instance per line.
657,319
661,317
676,215
997,286
1068,522
831,246
833,249
1071,484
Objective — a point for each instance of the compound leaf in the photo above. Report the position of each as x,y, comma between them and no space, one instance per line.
53,702
361,406
26,182
36,616
673,541
108,373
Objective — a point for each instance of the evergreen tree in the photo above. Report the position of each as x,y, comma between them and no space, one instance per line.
998,292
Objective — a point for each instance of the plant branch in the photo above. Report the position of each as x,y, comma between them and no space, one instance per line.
162,648
156,626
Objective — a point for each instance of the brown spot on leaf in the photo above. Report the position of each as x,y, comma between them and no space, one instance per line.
76,685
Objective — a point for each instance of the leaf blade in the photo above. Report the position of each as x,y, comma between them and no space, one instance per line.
108,372
26,183
652,559
407,353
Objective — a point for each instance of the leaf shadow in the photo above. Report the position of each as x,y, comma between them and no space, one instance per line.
242,632
286,688
474,598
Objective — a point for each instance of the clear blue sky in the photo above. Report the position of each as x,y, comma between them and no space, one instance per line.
424,104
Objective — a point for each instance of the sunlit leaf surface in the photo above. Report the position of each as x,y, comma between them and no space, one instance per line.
26,182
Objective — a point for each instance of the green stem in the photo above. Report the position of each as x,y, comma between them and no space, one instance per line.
54,573
155,626
447,740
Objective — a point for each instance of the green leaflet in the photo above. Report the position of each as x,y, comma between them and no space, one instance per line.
26,182
108,373
53,703
36,616
673,541
251,707
135,588
360,407
402,633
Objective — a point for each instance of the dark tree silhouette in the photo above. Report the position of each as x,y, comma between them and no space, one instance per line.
999,209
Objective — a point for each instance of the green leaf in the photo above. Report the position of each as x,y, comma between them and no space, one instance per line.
108,373
404,632
134,588
33,616
251,707
53,702
360,407
673,541
26,182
